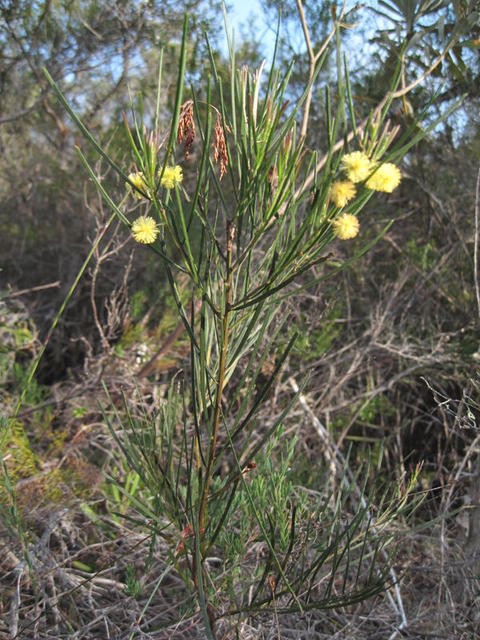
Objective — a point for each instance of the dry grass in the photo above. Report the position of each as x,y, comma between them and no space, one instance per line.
93,579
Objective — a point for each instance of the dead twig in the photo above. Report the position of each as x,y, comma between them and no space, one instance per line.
313,59
40,287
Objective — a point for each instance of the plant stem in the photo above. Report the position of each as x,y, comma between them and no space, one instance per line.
225,317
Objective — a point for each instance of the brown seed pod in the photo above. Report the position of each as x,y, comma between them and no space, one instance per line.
186,127
220,147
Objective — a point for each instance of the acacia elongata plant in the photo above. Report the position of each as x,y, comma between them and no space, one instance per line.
261,212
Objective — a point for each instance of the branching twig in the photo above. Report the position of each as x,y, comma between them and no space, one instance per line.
313,59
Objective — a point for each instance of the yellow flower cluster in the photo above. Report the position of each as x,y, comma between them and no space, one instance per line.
346,226
379,177
138,180
145,230
386,178
357,166
341,192
171,176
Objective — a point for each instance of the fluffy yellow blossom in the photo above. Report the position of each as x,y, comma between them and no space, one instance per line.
346,226
145,230
386,178
341,192
171,176
357,166
138,179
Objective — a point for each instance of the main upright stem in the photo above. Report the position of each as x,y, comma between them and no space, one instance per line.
224,319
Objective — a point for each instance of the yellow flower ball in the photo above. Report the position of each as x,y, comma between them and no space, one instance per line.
341,192
357,166
145,230
171,176
386,178
137,179
346,226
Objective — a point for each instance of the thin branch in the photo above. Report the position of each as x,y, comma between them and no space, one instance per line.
313,59
404,90
20,114
306,33
40,287
149,367
475,253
